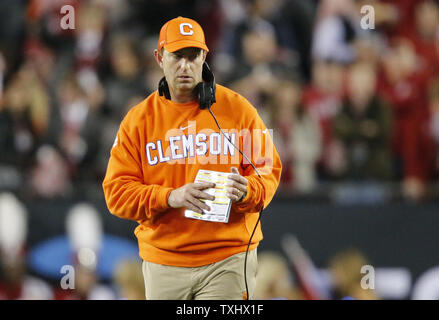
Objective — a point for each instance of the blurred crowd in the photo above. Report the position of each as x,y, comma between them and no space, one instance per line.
346,104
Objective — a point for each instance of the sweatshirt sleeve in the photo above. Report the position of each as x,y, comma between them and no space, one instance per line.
125,193
258,146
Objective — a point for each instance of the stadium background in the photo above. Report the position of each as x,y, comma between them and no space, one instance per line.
355,115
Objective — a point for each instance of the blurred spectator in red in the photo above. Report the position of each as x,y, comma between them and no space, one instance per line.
364,126
405,87
297,138
15,283
391,15
424,34
397,17
322,99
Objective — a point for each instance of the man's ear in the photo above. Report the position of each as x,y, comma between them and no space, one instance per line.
158,58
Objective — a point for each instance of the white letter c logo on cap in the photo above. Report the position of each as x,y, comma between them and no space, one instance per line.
186,33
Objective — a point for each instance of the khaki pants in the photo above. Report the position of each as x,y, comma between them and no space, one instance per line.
222,280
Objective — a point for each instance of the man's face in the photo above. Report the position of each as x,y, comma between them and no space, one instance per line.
183,68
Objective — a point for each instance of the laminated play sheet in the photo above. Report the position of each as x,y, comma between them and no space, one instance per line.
220,207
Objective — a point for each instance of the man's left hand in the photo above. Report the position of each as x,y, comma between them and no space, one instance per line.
237,186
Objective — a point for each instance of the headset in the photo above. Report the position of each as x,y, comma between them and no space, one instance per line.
205,91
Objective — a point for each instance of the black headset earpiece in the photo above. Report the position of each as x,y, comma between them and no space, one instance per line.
205,90
164,89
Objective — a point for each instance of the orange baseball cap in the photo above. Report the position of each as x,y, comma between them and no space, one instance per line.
181,33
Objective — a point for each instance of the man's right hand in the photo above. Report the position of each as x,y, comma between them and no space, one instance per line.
188,196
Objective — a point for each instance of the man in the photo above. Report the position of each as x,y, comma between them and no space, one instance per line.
160,146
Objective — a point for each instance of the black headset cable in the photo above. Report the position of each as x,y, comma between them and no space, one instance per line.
260,212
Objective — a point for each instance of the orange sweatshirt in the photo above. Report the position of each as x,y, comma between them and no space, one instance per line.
160,146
